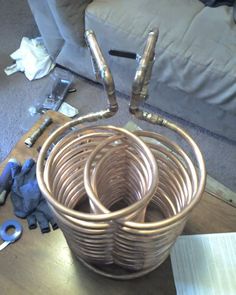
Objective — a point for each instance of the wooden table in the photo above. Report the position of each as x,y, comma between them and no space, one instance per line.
43,264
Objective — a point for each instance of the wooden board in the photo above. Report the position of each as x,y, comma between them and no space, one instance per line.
43,264
211,215
21,152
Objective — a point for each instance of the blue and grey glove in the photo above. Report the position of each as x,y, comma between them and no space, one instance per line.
28,201
6,178
43,216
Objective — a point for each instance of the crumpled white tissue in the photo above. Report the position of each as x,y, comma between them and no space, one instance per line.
31,58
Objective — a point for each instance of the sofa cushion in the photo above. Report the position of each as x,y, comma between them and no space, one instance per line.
195,51
69,17
47,26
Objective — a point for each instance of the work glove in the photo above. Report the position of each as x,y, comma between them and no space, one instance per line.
28,201
6,178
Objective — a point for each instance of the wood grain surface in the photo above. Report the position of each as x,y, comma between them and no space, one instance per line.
43,264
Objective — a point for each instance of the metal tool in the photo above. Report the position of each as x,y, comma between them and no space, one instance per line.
56,97
10,238
29,142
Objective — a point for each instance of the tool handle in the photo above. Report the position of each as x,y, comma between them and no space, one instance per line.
125,54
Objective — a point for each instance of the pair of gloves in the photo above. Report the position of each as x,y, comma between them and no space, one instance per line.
26,197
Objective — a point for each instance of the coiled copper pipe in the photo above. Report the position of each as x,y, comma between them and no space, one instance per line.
106,165
64,178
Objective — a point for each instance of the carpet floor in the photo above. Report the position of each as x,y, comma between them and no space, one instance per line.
17,94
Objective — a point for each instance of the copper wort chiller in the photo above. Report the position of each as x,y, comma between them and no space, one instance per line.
121,198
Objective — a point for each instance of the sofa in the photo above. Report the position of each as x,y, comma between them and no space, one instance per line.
194,74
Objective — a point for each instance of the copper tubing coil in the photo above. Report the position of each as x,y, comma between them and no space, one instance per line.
132,248
65,179
106,165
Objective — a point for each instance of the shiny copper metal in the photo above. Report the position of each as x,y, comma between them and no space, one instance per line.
63,181
144,71
101,69
105,165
